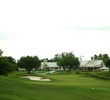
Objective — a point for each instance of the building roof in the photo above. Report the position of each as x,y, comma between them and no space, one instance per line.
92,63
50,64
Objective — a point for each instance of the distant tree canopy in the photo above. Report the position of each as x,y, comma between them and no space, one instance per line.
48,60
67,61
29,63
6,66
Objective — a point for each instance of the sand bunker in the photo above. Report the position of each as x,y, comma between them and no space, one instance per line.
35,78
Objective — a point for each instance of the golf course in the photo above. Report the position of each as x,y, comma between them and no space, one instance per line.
63,86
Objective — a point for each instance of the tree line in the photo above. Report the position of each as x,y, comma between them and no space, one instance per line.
66,60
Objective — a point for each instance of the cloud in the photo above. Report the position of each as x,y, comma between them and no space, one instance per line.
5,36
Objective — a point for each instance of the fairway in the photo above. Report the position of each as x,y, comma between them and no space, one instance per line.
61,87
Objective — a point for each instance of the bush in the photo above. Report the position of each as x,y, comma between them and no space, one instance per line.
101,75
5,66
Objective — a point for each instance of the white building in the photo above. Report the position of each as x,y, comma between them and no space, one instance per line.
87,65
90,65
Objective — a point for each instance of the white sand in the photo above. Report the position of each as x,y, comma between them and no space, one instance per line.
35,78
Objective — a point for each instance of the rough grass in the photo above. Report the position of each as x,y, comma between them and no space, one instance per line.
62,87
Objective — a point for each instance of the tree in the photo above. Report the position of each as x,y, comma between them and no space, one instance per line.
100,56
57,57
67,61
105,59
11,60
1,52
29,63
95,57
5,66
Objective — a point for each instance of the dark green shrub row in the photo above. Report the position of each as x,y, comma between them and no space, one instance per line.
101,75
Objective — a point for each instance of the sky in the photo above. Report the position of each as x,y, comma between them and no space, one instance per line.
48,27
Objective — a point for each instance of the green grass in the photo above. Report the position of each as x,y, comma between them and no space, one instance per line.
62,87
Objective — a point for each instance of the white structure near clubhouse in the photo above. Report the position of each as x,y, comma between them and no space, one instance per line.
105,69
